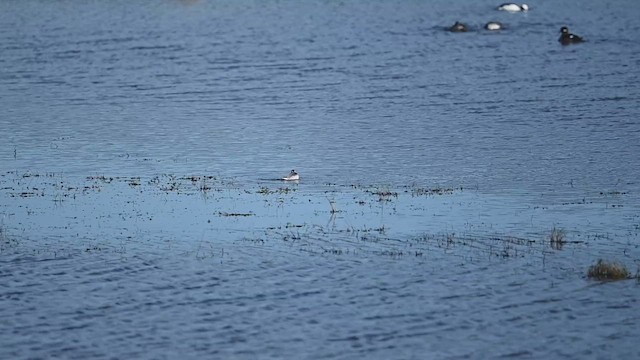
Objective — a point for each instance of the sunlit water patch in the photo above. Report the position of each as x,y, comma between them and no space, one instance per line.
116,258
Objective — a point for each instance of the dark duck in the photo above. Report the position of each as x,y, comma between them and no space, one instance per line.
459,27
567,38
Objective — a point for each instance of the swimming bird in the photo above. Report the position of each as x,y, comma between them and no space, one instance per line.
293,175
511,7
567,38
493,25
459,27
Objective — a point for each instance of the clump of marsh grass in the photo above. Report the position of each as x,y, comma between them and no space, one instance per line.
605,270
557,238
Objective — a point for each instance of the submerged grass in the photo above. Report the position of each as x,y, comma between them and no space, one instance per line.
282,190
605,270
432,191
226,214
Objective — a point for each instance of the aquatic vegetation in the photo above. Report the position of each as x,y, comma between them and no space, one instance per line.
134,181
3,236
605,270
204,187
94,248
394,253
477,246
362,227
206,250
101,178
332,203
201,182
431,192
384,194
334,251
266,191
291,225
285,190
226,214
253,240
557,238
613,193
171,184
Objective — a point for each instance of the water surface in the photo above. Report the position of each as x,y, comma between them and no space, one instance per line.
140,216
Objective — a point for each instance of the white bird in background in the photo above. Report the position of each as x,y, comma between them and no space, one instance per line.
293,175
511,7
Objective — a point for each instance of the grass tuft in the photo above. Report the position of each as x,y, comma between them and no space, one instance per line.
557,238
604,270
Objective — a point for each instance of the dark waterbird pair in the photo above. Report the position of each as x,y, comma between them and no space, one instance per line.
461,27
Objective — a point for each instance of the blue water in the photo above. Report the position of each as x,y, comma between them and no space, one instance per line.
111,250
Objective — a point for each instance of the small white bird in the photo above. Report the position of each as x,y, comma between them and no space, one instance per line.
293,175
511,7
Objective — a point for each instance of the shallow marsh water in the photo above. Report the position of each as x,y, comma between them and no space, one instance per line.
140,216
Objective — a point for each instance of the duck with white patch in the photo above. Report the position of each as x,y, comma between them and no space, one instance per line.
567,38
511,7
293,176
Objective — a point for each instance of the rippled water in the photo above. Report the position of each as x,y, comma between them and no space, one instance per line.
140,216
